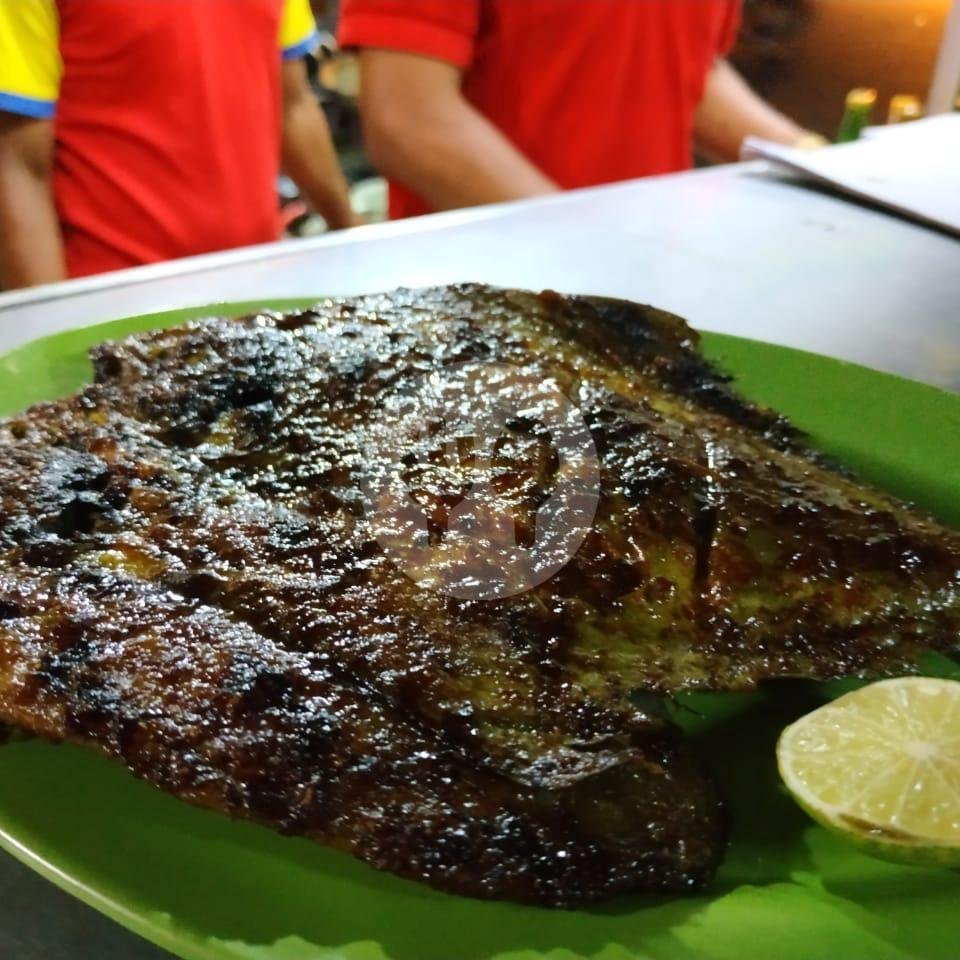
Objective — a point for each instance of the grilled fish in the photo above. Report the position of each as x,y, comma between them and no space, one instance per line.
192,580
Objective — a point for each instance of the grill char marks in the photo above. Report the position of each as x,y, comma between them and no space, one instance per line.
212,712
183,550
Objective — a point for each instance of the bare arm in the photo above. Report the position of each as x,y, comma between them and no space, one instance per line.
422,132
31,245
731,111
309,158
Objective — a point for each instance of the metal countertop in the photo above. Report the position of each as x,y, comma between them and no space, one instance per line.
731,249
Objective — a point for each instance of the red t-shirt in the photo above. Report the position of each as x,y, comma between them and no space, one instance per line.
166,118
592,91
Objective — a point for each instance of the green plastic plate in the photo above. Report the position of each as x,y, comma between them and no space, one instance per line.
209,889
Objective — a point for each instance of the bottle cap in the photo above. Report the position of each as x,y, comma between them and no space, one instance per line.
862,97
903,107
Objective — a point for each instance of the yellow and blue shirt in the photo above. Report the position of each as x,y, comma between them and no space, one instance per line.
166,113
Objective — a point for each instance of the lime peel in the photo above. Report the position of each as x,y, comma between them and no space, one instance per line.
881,767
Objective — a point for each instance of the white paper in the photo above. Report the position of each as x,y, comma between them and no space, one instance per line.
913,168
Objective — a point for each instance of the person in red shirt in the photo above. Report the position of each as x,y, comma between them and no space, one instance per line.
477,101
132,132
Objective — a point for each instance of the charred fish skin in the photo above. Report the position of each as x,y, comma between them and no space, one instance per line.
312,585
217,468
725,552
105,641
216,715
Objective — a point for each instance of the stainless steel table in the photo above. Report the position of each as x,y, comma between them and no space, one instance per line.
732,249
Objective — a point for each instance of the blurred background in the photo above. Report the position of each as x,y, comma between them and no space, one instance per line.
803,55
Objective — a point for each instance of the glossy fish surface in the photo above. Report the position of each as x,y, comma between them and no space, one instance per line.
207,572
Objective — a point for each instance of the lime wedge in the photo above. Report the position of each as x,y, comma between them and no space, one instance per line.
881,766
